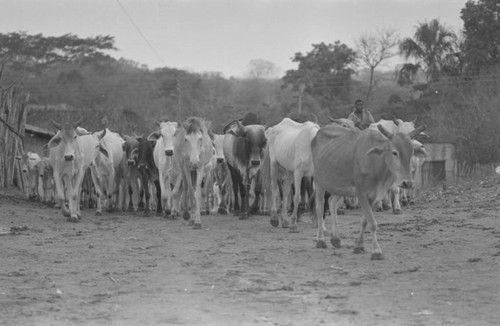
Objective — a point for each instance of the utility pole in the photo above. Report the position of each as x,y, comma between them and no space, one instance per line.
302,87
179,99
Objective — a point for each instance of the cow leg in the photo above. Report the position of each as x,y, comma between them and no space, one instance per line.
78,186
60,193
96,180
287,187
165,194
198,199
275,195
319,203
396,205
296,200
332,205
368,219
147,193
159,203
244,193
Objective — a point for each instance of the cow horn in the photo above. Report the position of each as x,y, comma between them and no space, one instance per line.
396,122
79,122
384,131
416,131
56,124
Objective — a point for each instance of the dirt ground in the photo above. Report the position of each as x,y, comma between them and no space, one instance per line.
441,267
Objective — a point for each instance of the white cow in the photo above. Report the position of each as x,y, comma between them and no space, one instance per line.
163,155
107,164
289,148
45,175
392,199
28,162
71,152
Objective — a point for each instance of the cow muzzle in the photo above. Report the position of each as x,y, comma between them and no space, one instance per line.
69,157
130,162
169,152
406,184
220,160
25,170
255,162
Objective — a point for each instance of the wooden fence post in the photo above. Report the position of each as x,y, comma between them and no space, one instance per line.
13,101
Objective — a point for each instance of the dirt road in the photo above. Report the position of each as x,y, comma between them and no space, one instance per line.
441,267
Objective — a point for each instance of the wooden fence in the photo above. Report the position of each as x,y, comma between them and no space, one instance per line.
13,101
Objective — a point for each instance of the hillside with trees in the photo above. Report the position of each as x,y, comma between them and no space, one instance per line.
447,79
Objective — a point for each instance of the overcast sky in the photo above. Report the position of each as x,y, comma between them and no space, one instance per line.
222,35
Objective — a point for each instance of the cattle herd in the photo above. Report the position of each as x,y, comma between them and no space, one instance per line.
249,169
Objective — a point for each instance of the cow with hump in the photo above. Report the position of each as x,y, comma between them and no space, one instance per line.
243,147
289,149
71,152
193,154
362,164
163,154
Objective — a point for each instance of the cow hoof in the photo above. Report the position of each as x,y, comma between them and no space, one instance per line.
359,250
196,226
222,211
377,256
378,209
274,222
386,207
98,213
244,216
335,242
396,211
203,213
186,216
294,229
340,212
66,214
285,224
254,210
321,244
73,219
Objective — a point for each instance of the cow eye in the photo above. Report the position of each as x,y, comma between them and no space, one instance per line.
395,153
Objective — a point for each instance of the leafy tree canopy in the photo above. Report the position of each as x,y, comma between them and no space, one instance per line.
324,72
481,47
22,51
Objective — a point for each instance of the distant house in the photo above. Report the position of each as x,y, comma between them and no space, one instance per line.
39,127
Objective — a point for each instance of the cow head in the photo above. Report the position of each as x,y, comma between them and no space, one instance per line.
166,136
66,139
255,140
194,139
346,123
397,153
143,153
130,149
218,141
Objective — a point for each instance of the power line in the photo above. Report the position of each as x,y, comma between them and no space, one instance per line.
140,32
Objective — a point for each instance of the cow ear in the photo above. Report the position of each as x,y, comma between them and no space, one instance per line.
101,134
419,149
376,150
154,136
82,131
103,151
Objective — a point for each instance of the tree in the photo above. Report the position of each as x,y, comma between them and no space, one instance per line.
262,69
481,47
373,49
21,51
325,71
431,46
